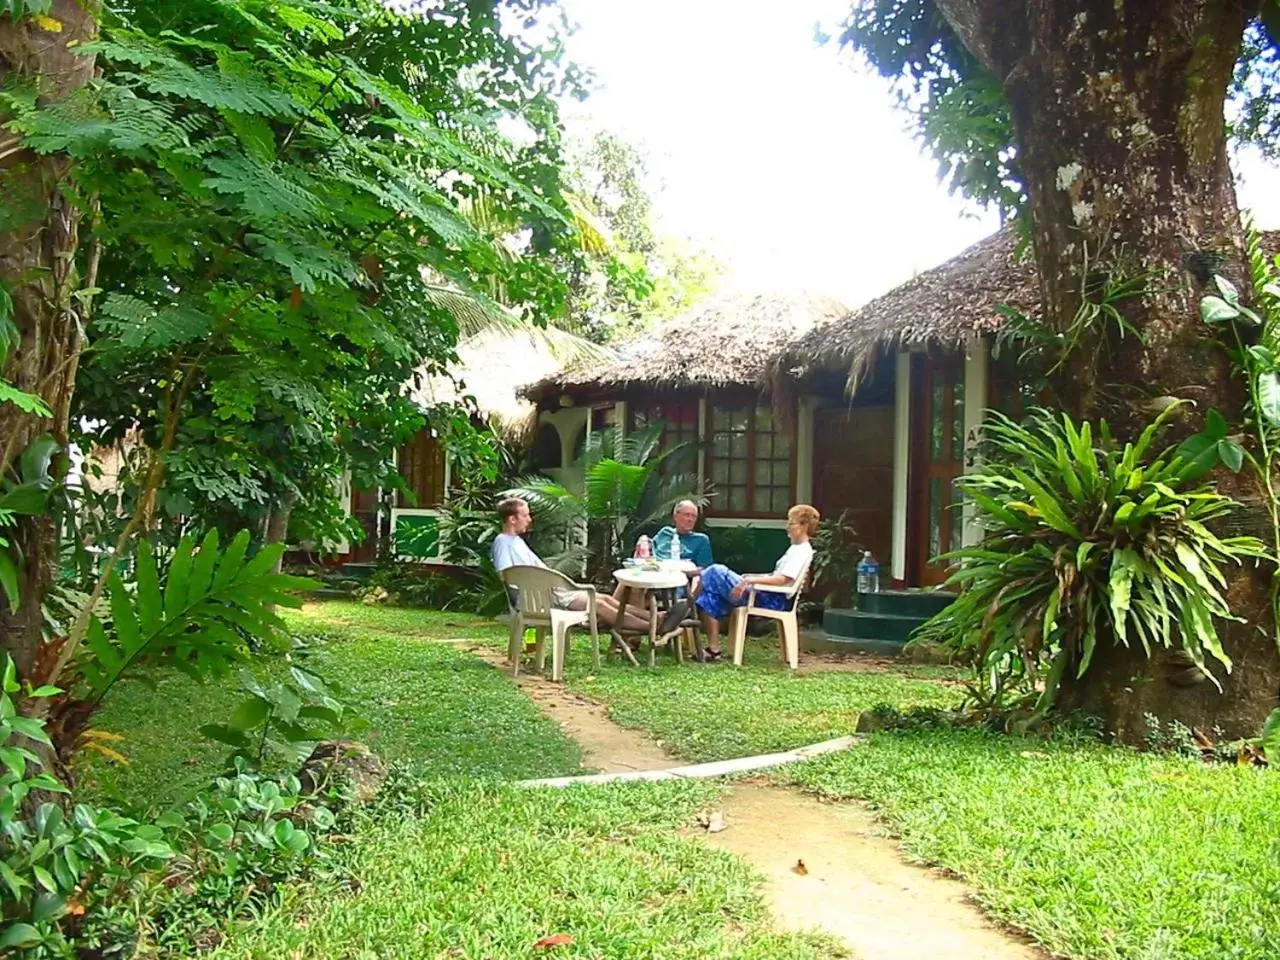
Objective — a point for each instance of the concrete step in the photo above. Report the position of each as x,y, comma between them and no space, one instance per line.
869,626
816,641
921,604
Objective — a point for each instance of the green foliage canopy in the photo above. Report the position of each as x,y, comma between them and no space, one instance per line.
271,185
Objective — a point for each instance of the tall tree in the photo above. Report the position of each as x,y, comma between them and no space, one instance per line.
1105,122
42,318
640,275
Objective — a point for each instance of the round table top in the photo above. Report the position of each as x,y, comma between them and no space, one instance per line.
650,579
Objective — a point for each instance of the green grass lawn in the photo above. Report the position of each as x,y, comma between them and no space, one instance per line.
472,869
427,704
1097,851
491,871
704,712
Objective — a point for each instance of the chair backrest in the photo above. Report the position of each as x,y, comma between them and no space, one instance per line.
799,585
535,588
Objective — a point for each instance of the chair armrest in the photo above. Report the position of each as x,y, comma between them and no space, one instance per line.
774,588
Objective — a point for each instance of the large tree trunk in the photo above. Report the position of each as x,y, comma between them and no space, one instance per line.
39,238
1118,117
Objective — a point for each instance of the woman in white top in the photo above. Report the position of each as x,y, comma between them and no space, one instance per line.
722,589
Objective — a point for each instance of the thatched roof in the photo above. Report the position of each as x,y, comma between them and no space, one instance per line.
492,367
727,340
947,305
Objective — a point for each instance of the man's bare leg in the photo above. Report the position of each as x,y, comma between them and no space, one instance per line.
607,613
711,627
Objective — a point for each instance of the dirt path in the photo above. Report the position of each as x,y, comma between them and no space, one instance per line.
855,885
606,747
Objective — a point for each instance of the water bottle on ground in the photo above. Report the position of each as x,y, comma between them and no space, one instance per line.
868,574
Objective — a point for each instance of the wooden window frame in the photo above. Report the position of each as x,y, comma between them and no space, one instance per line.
646,408
406,459
754,405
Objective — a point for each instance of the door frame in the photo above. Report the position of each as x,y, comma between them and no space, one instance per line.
918,570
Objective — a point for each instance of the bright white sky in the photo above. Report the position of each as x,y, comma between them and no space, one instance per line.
787,160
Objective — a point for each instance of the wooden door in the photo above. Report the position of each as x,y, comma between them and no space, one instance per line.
935,523
853,471
364,507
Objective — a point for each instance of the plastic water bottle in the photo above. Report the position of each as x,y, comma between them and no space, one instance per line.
675,546
643,548
868,574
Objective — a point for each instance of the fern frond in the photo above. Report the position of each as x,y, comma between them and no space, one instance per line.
141,325
198,620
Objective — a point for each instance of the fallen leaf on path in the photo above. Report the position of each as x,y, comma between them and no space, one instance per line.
800,868
555,940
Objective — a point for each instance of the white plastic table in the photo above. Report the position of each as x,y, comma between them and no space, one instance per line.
668,577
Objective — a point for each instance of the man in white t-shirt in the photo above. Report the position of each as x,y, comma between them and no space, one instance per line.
723,589
510,550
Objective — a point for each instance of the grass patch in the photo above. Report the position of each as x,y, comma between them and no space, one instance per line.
1097,851
428,704
347,618
490,872
704,712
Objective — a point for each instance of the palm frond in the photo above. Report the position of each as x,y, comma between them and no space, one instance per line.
481,317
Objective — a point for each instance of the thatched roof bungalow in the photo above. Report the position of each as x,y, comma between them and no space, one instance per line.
945,307
704,375
726,341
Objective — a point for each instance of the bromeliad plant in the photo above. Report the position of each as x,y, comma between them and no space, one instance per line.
1252,340
630,484
1087,542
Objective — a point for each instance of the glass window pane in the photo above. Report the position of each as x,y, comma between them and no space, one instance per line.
722,445
738,499
937,394
738,446
740,420
764,419
782,474
760,500
764,446
764,473
781,498
738,471
937,503
720,471
782,445
957,418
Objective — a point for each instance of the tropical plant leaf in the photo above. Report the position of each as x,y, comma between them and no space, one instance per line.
195,621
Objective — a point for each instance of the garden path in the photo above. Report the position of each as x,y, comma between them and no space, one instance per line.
854,882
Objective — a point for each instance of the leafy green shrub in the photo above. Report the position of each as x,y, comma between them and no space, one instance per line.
287,718
1086,542
46,855
92,881
239,840
198,613
836,553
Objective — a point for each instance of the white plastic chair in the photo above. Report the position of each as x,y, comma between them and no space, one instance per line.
787,622
535,607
